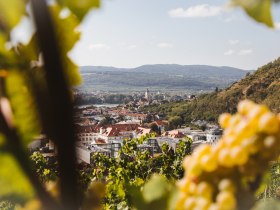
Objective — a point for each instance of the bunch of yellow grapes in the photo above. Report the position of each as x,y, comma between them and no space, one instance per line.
226,175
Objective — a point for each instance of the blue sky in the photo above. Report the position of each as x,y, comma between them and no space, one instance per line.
130,33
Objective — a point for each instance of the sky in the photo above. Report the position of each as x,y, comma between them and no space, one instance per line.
131,33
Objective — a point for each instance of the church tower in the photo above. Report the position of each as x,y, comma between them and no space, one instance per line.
147,95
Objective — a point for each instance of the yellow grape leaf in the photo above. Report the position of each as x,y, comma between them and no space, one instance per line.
29,51
260,10
94,195
80,7
13,183
2,43
23,106
27,55
67,35
11,12
6,56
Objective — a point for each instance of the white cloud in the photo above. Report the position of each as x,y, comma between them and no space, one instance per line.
229,52
164,45
233,41
198,11
245,52
99,46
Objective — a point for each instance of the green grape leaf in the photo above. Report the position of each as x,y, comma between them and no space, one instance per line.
80,7
11,12
264,183
138,181
13,183
23,106
259,10
155,188
67,35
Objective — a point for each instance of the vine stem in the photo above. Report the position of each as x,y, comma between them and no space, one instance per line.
61,129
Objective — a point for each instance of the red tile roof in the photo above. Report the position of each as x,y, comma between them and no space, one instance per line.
100,141
143,131
88,128
174,134
161,122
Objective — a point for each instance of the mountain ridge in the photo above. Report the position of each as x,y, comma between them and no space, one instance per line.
262,86
160,76
86,68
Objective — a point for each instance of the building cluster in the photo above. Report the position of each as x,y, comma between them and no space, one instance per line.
103,129
109,139
132,99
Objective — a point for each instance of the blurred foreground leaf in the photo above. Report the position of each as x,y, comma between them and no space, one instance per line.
260,10
33,204
10,13
157,193
2,43
2,141
94,195
6,56
80,7
67,36
24,109
155,188
13,183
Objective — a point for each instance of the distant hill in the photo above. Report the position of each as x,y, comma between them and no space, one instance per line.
159,77
263,86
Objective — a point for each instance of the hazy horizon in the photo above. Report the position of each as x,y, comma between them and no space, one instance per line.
151,64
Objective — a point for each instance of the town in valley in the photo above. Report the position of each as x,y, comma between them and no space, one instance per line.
102,128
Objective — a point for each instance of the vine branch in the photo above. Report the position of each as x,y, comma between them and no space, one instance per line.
61,130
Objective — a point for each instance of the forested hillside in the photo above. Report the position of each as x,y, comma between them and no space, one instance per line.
263,86
165,77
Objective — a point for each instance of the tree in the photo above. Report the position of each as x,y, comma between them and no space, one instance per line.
107,120
216,89
175,122
155,128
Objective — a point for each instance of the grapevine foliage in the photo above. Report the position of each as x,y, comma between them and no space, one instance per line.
129,173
